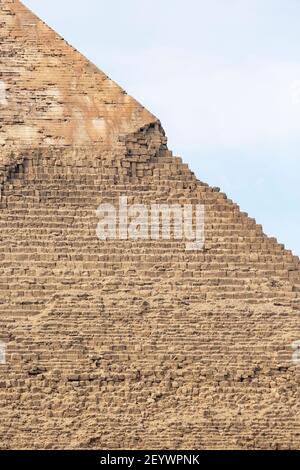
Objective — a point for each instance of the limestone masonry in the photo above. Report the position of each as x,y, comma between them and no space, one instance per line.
127,344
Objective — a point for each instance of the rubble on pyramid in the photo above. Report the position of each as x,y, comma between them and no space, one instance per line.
135,344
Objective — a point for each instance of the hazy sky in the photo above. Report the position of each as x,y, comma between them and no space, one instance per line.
223,76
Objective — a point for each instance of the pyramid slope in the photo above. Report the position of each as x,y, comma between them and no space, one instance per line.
133,383
144,344
124,344
51,94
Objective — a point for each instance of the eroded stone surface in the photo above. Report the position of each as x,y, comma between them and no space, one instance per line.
125,344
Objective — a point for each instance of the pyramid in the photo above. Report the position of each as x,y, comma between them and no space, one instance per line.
127,344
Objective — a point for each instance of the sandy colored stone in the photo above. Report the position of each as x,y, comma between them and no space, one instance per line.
125,344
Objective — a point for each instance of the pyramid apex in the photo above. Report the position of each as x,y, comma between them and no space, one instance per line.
50,94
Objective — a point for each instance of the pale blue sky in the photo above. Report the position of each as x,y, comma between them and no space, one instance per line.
223,76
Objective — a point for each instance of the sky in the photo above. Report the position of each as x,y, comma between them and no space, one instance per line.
223,76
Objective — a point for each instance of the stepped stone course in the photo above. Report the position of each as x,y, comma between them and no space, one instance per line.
127,344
